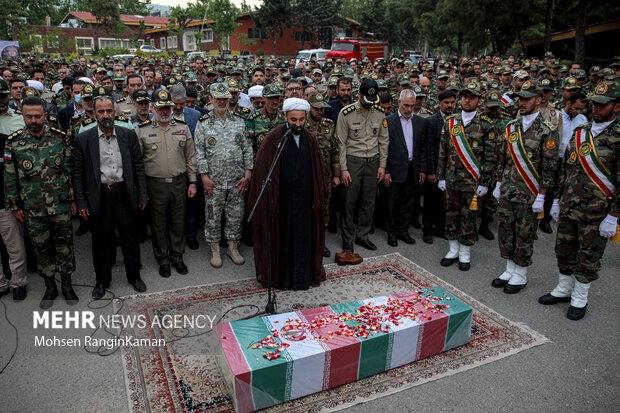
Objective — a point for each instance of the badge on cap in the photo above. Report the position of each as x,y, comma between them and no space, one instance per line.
601,89
162,94
526,85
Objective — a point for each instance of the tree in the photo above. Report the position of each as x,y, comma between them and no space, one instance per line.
548,25
107,15
180,17
12,14
225,15
273,18
138,7
310,15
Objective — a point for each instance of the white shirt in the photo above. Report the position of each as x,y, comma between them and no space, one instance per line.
467,117
110,162
407,126
597,128
568,127
528,120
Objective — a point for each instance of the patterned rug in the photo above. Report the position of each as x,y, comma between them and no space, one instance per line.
183,375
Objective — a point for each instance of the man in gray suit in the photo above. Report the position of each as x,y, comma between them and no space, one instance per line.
110,188
404,171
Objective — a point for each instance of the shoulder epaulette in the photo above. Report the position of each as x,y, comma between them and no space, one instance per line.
204,117
119,100
245,110
512,121
15,134
88,121
427,110
253,115
348,109
239,115
180,121
76,116
379,108
486,119
548,124
583,125
146,122
17,111
328,121
58,131
51,119
454,115
121,118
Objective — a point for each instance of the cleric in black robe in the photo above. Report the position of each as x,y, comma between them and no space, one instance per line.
297,199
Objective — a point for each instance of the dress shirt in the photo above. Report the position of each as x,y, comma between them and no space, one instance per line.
407,126
528,120
110,162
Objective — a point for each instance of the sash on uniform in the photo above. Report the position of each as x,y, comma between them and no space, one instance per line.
463,149
591,163
506,100
522,161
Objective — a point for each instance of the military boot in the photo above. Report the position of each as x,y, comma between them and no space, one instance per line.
233,253
67,290
484,230
216,259
51,292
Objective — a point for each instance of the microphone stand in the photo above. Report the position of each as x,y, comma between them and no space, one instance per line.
270,308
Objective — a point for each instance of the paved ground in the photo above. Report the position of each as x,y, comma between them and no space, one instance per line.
577,371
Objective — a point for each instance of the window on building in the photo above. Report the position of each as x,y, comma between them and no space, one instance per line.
84,45
153,42
162,43
53,43
190,41
254,33
207,36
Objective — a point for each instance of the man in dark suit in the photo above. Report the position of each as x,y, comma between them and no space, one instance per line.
75,108
434,213
404,171
110,187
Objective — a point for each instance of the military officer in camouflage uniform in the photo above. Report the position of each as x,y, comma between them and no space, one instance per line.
589,204
527,167
233,102
261,122
324,131
224,157
170,169
465,178
38,189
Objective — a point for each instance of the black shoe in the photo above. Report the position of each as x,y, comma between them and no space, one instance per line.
83,229
575,313
192,244
366,243
51,292
549,299
485,232
19,293
446,262
513,289
332,227
427,237
499,283
327,253
99,291
416,223
5,292
545,227
180,267
139,285
164,270
406,238
347,246
71,297
392,241
464,266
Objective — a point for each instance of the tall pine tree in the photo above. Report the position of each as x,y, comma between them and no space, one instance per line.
273,18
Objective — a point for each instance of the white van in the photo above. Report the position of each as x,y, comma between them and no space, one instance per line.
309,54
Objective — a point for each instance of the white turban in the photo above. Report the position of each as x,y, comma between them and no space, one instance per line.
37,85
295,104
87,80
255,91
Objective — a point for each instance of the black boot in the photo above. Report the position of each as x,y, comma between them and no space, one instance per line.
484,230
67,290
51,292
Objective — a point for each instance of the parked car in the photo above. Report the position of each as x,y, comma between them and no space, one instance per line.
124,56
146,48
309,54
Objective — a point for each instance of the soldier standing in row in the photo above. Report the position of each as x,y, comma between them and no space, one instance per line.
589,205
527,167
37,179
261,122
224,157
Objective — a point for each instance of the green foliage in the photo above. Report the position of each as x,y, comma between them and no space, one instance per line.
162,55
110,51
180,17
310,15
225,15
31,39
273,18
243,39
260,52
139,7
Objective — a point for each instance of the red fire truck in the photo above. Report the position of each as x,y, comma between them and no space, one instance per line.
349,48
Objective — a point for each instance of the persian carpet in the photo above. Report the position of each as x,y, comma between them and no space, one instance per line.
183,375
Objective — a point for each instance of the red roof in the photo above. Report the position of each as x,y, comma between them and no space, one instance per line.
125,18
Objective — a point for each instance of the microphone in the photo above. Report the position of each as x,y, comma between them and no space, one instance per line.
292,130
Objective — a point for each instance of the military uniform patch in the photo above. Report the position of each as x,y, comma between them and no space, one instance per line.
456,130
26,164
474,144
385,123
573,157
57,161
154,146
550,144
67,152
491,136
514,136
238,138
585,149
211,141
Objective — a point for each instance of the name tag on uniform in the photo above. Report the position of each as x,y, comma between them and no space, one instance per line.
152,135
168,180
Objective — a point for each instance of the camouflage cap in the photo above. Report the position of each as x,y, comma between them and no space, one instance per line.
505,70
546,84
543,71
608,74
594,70
453,85
419,92
442,74
317,100
530,88
211,71
219,90
119,76
373,76
473,86
580,74
382,84
233,85
492,99
4,87
605,92
492,84
87,91
556,64
141,95
563,69
570,83
74,62
332,81
317,71
161,98
272,91
403,79
521,74
349,73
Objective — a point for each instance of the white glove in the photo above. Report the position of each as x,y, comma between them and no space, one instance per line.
482,190
608,226
497,191
539,204
555,210
442,185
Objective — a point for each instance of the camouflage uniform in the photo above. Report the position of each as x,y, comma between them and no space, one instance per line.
461,186
37,180
517,222
324,131
61,99
224,152
259,125
120,121
579,246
